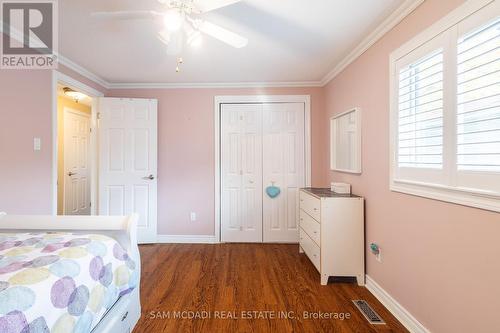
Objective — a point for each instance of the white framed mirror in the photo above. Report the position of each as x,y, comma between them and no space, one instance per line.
345,141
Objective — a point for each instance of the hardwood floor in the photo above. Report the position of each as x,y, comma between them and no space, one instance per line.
222,280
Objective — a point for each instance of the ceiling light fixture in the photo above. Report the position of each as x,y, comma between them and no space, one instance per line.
75,95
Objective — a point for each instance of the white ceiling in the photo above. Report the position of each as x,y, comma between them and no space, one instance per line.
289,41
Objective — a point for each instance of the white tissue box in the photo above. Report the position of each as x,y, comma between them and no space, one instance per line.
341,188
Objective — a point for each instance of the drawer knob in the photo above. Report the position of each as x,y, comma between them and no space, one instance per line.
315,232
301,219
314,255
315,208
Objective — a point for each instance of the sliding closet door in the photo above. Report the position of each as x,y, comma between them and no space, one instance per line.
241,172
284,167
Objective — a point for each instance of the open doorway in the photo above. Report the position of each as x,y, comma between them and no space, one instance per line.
74,136
121,159
74,112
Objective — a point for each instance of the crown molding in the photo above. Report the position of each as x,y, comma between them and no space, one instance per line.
233,85
18,35
131,85
83,71
394,19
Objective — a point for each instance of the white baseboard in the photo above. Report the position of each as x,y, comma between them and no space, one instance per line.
410,322
186,239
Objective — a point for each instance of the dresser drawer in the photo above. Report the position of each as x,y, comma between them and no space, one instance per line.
310,226
310,204
310,248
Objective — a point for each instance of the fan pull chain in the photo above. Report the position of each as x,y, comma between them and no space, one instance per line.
179,63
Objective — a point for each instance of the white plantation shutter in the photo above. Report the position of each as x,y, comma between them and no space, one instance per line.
420,116
445,109
478,99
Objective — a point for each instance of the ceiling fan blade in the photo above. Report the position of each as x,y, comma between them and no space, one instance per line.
209,5
127,15
164,37
222,34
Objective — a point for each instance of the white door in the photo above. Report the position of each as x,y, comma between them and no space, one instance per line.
261,145
128,161
76,164
283,167
241,172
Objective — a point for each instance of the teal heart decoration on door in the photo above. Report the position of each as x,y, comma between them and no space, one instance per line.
273,191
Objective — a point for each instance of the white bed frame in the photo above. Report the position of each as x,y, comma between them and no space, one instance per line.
125,313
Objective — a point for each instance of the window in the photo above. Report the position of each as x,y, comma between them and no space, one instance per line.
345,141
445,109
420,130
478,100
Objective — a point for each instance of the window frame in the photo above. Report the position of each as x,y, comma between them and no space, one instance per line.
443,187
420,174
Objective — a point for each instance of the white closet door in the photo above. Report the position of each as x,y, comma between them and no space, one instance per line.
76,163
283,165
128,161
241,172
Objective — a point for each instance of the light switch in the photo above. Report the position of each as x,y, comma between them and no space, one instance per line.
37,144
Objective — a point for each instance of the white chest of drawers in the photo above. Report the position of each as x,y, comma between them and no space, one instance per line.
332,233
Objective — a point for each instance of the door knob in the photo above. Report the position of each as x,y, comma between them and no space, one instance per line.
71,173
150,177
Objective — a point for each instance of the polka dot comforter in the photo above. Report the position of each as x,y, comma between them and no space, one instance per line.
60,282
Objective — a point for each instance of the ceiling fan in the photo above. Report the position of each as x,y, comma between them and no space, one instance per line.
182,23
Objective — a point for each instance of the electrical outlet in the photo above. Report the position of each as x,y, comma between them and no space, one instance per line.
37,144
193,216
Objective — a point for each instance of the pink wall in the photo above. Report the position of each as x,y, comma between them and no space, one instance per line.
25,113
186,163
440,260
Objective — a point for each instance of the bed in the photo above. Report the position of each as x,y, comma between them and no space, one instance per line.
69,274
